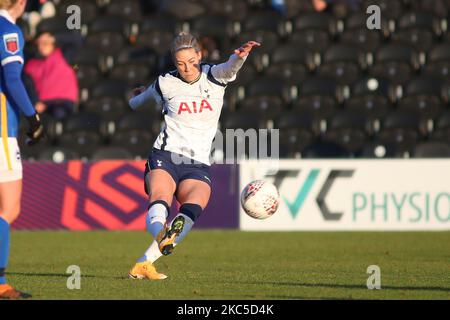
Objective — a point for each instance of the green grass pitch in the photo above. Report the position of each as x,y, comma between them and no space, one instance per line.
223,265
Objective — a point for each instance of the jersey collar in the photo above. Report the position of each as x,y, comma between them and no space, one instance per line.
189,82
5,14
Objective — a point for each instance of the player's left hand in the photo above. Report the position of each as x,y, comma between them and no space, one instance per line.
36,130
246,48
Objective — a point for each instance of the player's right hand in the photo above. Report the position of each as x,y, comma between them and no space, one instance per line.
35,131
138,91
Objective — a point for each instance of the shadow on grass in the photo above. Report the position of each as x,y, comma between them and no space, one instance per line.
64,275
347,286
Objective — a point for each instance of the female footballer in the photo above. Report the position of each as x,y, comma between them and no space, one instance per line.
191,97
13,100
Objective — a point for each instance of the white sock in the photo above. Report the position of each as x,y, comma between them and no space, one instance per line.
188,223
156,217
155,220
152,254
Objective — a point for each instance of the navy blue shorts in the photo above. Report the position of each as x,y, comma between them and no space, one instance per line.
161,159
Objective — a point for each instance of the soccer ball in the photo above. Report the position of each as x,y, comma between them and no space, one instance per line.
260,199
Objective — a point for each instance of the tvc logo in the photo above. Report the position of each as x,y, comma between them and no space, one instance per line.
305,189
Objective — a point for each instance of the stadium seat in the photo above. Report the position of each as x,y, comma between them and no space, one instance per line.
311,39
232,9
381,150
315,20
110,88
137,142
268,39
159,22
157,40
371,97
215,26
87,75
293,53
402,129
326,149
348,130
441,130
137,55
140,121
439,61
291,62
419,39
365,39
128,9
134,74
106,43
395,63
319,96
297,132
111,153
111,24
423,97
266,21
373,107
58,154
81,142
432,150
82,122
267,106
292,73
269,86
343,63
424,86
107,108
246,75
420,20
52,25
242,120
439,8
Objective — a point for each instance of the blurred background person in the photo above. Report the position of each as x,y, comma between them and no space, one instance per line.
54,80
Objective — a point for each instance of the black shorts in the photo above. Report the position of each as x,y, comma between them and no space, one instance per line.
159,159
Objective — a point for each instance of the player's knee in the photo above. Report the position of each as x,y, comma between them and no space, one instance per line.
191,210
161,196
11,213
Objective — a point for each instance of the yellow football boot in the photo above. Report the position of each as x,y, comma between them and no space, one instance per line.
142,270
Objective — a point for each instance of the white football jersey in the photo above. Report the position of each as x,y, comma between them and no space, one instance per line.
191,110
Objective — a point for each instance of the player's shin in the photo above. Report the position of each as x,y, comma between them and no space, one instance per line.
190,212
156,217
4,248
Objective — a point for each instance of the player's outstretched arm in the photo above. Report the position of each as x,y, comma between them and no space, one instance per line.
142,94
226,72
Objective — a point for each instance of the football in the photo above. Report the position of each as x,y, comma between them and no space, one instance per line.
260,199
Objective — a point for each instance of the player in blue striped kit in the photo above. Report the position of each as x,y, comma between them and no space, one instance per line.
13,101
